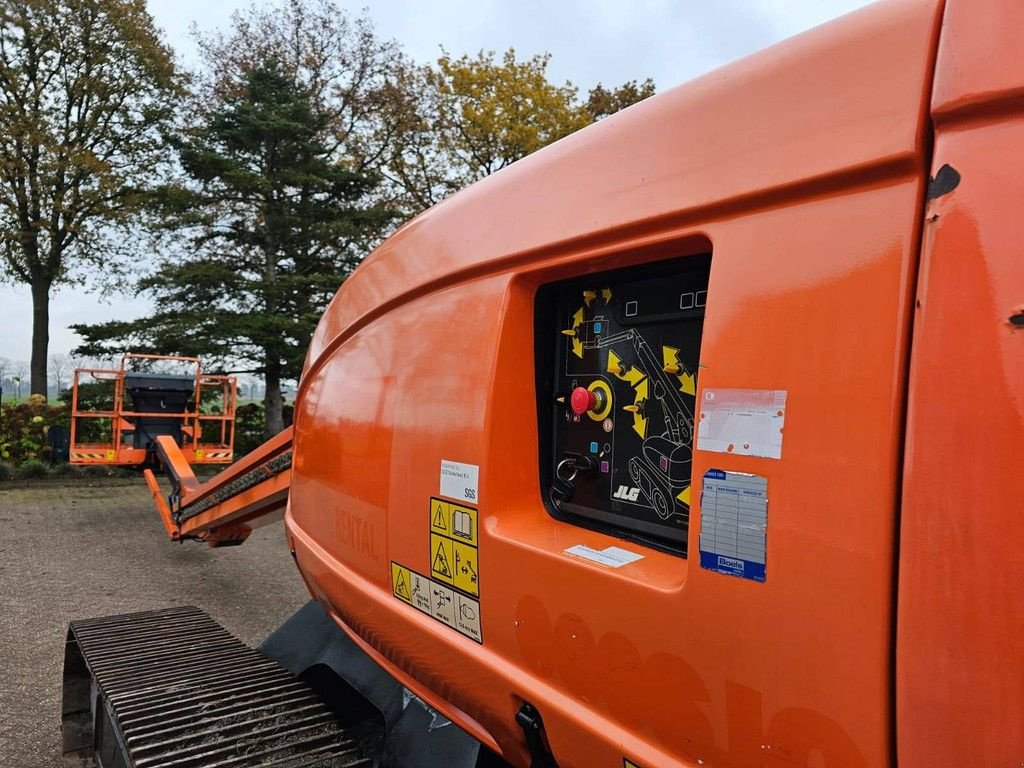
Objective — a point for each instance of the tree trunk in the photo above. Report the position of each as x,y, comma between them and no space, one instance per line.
40,334
273,402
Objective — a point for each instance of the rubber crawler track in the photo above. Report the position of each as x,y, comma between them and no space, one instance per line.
176,690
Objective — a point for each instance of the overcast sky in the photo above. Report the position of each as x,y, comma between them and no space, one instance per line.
590,41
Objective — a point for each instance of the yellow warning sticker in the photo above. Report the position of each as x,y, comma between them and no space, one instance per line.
449,606
442,558
467,568
401,582
454,534
110,455
440,517
464,524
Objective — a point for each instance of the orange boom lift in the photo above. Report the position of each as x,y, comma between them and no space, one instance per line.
138,405
690,440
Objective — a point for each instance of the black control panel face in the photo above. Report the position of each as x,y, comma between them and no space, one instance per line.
617,357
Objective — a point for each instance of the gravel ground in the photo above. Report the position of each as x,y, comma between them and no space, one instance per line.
77,552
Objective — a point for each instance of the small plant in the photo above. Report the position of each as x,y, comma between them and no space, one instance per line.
32,469
6,471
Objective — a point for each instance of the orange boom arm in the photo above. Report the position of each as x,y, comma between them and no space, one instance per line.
224,510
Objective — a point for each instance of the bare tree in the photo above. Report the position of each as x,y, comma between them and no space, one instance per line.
60,367
19,370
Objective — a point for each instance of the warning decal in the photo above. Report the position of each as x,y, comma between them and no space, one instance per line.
442,555
401,582
440,517
466,569
454,535
463,524
449,606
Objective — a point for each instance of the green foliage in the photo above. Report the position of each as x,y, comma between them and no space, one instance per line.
6,471
249,426
32,469
92,396
275,221
23,430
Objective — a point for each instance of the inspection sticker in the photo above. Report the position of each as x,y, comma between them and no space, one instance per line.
459,481
439,601
734,523
742,421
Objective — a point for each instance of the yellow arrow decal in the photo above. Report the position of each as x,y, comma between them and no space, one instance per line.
639,421
685,496
606,294
671,357
577,345
633,374
589,296
640,425
689,383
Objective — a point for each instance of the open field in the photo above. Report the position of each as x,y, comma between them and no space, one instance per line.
73,552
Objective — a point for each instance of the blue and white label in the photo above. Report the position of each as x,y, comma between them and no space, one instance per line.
734,524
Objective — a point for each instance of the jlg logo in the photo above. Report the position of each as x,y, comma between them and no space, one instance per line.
626,493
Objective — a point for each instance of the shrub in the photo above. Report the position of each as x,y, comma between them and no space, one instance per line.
23,429
6,471
32,469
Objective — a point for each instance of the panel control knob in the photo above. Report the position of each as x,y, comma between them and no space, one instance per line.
582,400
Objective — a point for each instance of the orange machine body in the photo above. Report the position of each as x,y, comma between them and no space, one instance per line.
889,625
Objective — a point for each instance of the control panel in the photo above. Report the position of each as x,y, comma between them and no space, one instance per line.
617,360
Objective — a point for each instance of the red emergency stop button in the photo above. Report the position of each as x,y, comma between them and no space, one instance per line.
582,400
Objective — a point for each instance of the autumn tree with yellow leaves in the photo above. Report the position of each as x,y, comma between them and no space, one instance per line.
461,119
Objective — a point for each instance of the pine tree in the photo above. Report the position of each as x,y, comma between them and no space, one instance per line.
274,220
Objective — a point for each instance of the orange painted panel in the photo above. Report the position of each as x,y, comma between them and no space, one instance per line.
960,645
802,169
980,67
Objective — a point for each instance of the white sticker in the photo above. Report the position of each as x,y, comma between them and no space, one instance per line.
449,606
613,557
459,481
442,604
747,422
467,616
421,592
